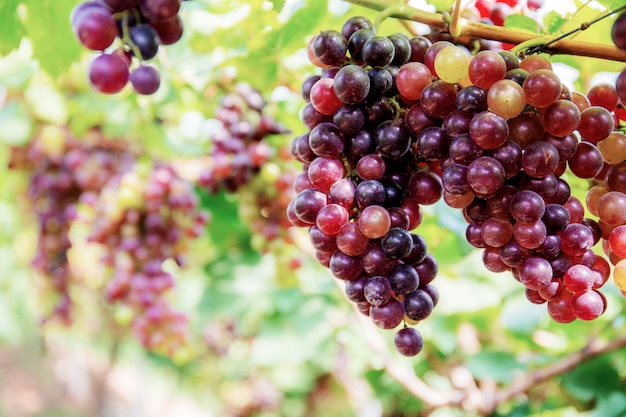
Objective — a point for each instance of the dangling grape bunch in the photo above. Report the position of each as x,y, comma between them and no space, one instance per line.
239,144
398,122
128,33
362,186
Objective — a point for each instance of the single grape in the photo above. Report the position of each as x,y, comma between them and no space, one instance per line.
387,316
146,39
408,341
418,305
618,32
485,68
542,88
451,64
108,73
352,84
330,47
506,98
412,78
145,80
561,118
397,243
588,305
374,221
378,51
95,28
156,10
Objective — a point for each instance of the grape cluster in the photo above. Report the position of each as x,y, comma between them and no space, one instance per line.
396,122
239,146
140,213
61,169
124,30
362,187
143,217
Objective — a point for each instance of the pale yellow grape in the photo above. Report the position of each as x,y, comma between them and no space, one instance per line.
506,98
619,275
613,148
451,64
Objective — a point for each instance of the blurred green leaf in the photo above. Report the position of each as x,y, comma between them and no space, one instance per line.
493,365
552,22
278,4
521,22
442,5
611,4
47,26
611,405
592,379
12,30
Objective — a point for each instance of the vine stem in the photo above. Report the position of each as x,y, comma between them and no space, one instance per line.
465,27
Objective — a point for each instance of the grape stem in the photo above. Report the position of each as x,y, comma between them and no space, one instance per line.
466,27
583,26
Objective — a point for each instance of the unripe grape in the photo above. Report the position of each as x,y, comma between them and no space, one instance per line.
451,64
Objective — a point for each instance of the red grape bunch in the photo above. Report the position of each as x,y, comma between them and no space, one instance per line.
362,187
396,122
143,217
239,145
128,33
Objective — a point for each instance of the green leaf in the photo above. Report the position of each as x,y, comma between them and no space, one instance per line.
552,22
611,4
12,31
497,366
293,32
611,405
592,378
442,5
521,22
47,26
278,4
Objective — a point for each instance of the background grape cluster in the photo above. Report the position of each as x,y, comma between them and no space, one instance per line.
139,212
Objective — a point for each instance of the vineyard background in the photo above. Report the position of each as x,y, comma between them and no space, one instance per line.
268,338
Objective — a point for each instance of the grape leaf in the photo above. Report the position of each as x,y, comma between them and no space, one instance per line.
611,4
12,30
442,5
552,22
520,22
47,26
278,4
498,366
591,379
293,32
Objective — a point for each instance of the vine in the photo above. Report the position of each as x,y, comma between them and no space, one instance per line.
465,27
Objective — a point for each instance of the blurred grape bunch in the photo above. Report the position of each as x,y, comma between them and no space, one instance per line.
144,217
141,213
248,157
61,169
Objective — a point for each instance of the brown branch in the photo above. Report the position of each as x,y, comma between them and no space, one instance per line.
495,33
531,379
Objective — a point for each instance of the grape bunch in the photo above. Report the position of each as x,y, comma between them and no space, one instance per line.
142,217
127,33
61,168
140,213
396,122
239,146
361,189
